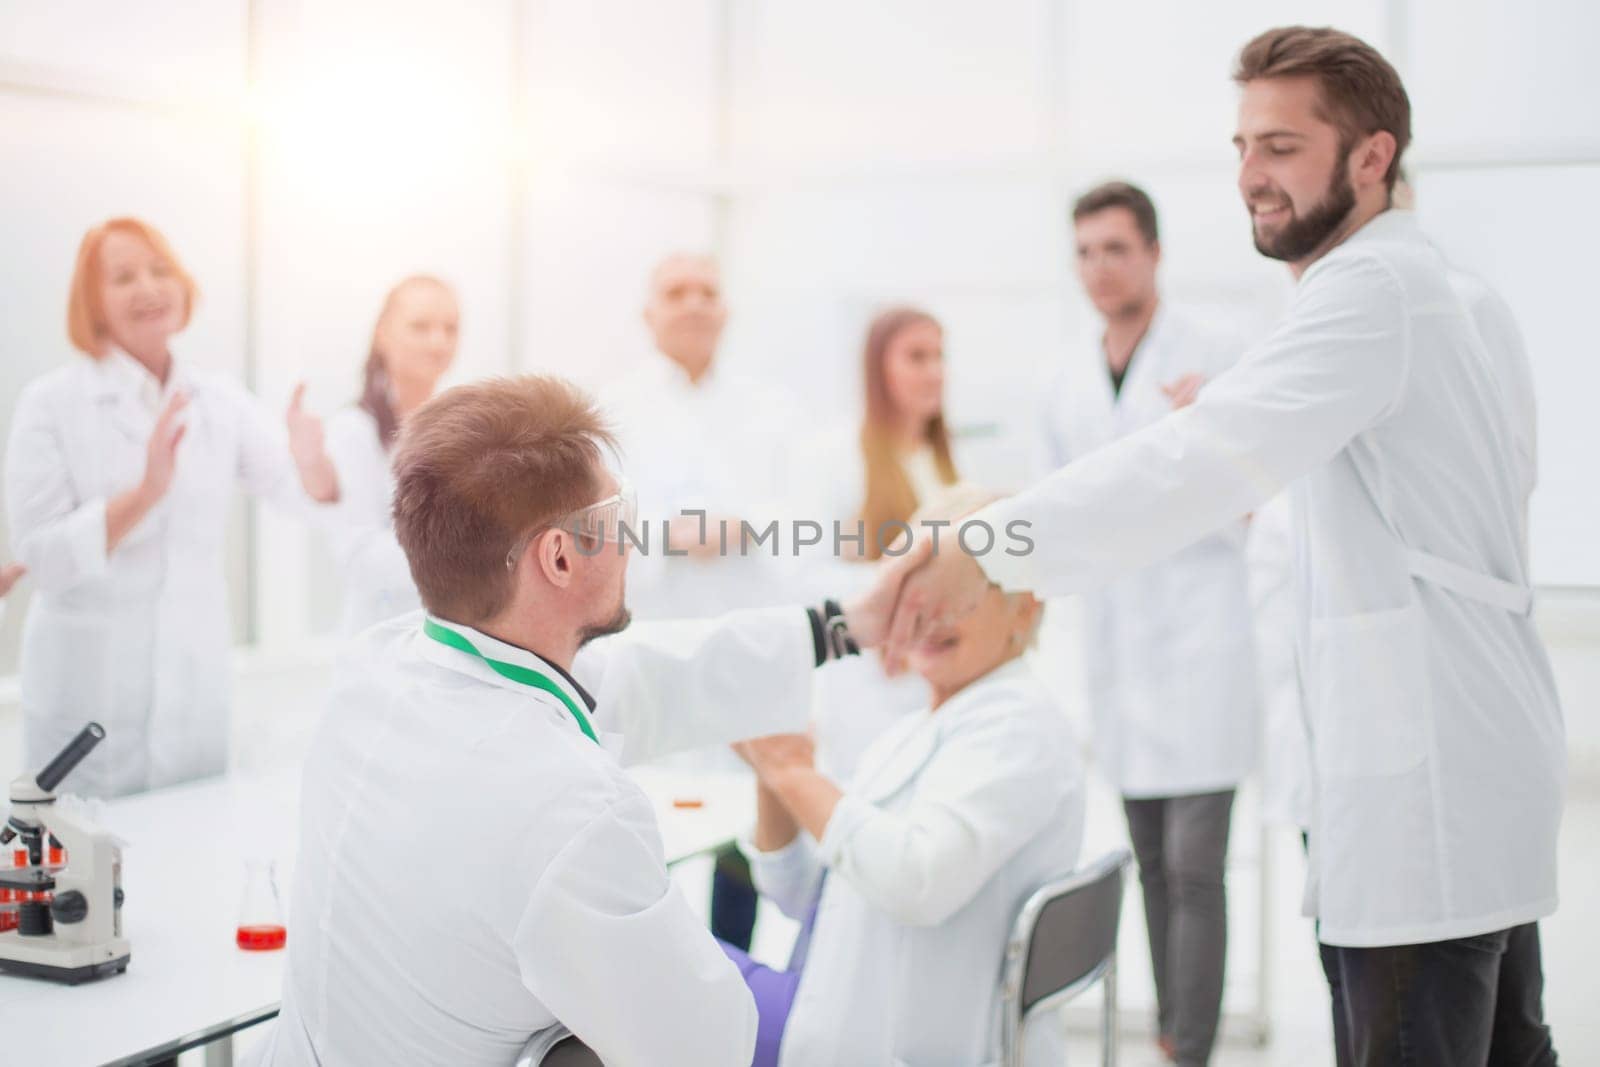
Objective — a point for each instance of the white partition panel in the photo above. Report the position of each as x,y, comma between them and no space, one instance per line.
1531,234
1494,80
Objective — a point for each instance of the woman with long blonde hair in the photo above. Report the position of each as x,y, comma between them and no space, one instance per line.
878,473
905,444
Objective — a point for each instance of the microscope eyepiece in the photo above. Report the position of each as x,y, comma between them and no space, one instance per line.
69,757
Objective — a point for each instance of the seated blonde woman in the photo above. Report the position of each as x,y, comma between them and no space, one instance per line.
908,878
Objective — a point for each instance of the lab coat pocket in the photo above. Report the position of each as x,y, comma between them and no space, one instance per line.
1369,693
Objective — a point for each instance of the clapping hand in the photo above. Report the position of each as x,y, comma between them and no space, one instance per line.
776,754
9,574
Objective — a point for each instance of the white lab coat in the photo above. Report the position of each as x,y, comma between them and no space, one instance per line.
955,817
1286,761
138,640
359,528
1286,774
853,700
1169,655
716,445
1513,370
476,877
1436,734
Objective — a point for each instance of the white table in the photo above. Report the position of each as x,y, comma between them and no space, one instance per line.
183,872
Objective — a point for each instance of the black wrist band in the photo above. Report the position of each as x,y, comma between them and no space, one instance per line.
819,638
840,643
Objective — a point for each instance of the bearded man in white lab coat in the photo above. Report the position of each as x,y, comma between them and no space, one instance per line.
1168,650
1436,735
477,875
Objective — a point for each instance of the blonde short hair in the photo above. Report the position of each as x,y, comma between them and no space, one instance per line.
956,502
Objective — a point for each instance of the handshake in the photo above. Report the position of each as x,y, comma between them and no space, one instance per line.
915,594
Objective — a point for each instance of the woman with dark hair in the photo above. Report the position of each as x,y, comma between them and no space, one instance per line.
413,345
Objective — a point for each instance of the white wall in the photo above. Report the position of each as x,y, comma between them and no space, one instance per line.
541,154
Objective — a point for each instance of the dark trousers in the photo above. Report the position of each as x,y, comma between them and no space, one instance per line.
1471,1002
733,899
1181,844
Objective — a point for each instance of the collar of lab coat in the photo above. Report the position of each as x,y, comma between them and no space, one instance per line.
1148,347
669,373
454,659
925,733
119,374
128,395
1394,224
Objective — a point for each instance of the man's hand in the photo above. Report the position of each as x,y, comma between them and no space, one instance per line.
1182,393
912,595
9,575
869,615
700,537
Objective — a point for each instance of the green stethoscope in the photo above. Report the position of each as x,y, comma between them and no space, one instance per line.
522,675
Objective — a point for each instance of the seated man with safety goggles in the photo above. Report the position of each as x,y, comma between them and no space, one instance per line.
477,874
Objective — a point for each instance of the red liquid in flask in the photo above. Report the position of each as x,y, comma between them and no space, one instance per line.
262,938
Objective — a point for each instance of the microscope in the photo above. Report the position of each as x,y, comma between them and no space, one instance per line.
69,910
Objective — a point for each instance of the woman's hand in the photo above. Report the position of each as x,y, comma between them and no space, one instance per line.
161,451
308,446
127,509
9,574
772,756
786,766
305,429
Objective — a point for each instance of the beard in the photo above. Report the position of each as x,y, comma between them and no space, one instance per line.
1302,235
617,623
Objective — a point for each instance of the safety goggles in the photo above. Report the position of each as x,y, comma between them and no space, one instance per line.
602,520
595,523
